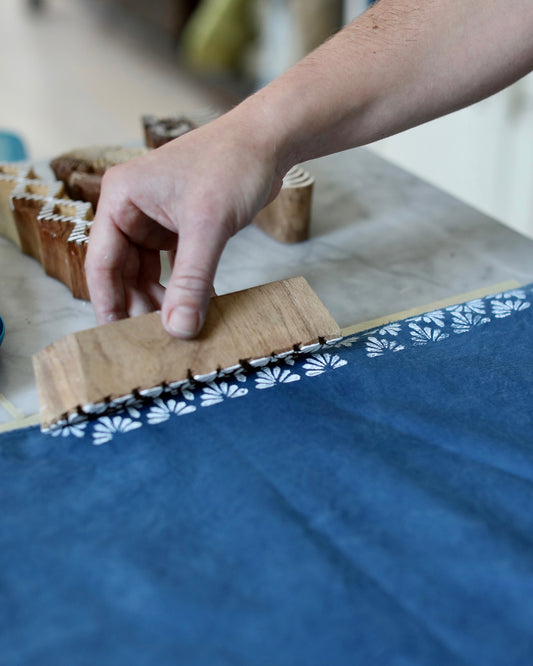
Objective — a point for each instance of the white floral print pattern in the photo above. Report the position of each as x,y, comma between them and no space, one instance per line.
162,410
504,308
214,393
436,317
269,377
422,335
319,363
390,329
108,426
462,322
514,293
477,306
377,347
347,342
72,429
427,329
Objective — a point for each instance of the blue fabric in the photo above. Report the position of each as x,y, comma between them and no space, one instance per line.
368,505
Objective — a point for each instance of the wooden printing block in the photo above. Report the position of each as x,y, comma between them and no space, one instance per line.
158,131
100,369
77,251
81,170
85,187
288,217
56,222
27,201
11,175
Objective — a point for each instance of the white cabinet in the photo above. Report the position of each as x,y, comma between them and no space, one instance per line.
482,154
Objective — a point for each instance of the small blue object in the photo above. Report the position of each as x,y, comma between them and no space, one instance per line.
2,330
12,148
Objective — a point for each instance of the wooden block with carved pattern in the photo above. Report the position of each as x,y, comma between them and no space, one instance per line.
102,368
27,201
77,251
11,175
57,221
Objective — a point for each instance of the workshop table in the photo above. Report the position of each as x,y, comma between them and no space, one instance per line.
382,241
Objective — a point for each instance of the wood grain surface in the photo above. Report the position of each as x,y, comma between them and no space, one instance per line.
288,217
114,360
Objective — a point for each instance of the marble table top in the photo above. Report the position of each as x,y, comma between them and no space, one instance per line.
382,240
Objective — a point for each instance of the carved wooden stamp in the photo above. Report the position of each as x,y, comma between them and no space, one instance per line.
77,251
56,222
11,175
27,201
102,369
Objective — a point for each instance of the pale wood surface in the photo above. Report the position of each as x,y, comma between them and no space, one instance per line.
436,305
110,361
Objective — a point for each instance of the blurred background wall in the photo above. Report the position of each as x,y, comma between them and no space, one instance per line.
482,154
79,72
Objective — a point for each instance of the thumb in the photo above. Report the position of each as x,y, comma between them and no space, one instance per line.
190,286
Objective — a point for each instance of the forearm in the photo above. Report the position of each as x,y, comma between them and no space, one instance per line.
402,63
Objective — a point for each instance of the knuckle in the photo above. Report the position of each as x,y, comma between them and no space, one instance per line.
112,174
192,282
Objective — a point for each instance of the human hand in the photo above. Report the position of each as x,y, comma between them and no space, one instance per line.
188,198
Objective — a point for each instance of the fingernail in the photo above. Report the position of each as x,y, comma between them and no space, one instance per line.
184,322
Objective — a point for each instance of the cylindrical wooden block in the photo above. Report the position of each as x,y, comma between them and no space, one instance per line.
288,217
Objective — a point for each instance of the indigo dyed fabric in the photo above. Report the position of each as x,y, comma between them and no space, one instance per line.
372,504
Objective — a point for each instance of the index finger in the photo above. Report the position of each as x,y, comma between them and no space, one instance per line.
106,255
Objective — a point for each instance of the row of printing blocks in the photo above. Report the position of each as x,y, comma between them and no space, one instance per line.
46,224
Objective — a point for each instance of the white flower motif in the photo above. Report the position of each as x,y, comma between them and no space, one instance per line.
464,321
133,412
107,427
436,317
187,394
501,309
73,429
268,377
422,336
346,342
391,329
161,410
319,363
377,347
514,293
477,306
213,393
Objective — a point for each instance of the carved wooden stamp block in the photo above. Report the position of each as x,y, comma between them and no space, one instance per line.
27,201
77,251
11,175
56,221
101,369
